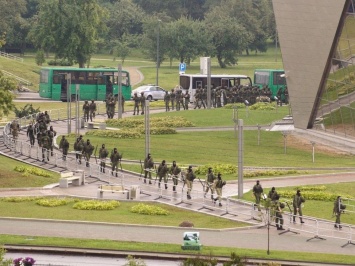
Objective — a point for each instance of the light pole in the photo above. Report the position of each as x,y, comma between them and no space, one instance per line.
157,78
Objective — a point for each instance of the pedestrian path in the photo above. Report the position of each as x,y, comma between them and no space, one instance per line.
254,236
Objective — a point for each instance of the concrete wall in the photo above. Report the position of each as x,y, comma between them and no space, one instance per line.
307,31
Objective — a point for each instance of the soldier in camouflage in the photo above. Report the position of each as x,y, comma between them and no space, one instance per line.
115,159
148,166
210,178
46,145
190,177
87,151
103,153
162,173
218,185
64,146
175,171
86,109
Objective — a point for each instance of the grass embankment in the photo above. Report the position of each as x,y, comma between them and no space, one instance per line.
13,179
172,248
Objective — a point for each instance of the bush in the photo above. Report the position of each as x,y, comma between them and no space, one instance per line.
234,105
186,224
97,205
62,62
159,131
262,106
19,199
32,170
311,195
169,121
120,134
53,202
148,209
217,168
25,111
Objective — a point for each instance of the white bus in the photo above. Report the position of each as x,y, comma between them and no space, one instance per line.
192,81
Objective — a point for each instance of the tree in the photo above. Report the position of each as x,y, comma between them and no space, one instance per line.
7,85
70,27
185,39
122,49
40,57
10,15
229,38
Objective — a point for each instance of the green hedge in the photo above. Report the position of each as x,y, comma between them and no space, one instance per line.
120,134
97,205
32,170
168,121
53,202
148,210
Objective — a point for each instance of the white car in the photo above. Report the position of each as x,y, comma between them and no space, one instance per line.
151,92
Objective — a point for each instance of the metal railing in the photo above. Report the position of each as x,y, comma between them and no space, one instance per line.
10,56
21,80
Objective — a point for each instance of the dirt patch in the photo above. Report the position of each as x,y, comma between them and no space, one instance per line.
299,142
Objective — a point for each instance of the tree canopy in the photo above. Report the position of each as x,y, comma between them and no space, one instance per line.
70,27
75,29
7,85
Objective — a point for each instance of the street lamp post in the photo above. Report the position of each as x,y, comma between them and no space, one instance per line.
157,77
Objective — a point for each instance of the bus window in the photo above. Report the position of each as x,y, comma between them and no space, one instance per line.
44,77
278,80
185,82
262,78
92,77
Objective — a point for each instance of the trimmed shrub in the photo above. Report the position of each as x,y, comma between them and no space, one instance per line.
186,224
53,202
19,199
262,106
148,209
32,170
217,168
97,205
120,134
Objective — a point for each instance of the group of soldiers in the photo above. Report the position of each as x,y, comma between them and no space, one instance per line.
111,102
139,101
163,173
297,202
89,110
222,95
176,99
40,128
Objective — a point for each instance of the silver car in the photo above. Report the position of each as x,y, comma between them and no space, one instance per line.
151,92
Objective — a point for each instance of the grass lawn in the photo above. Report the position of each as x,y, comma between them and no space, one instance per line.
222,147
121,214
12,179
172,248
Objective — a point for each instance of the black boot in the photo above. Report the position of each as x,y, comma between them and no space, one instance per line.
145,180
166,186
159,185
174,189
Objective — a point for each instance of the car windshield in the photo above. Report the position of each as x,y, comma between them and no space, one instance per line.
142,88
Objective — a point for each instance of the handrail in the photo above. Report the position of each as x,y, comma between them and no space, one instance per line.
10,56
23,81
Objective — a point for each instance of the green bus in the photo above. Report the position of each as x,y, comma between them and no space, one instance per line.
94,83
273,78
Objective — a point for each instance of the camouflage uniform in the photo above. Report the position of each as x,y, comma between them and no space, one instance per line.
14,129
172,99
142,100
103,153
51,134
46,145
167,101
209,182
64,145
218,185
257,191
297,206
88,149
31,134
148,165
190,176
115,159
175,172
78,147
162,171
136,101
186,100
92,110
47,118
86,108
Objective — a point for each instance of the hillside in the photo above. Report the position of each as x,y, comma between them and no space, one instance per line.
27,70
